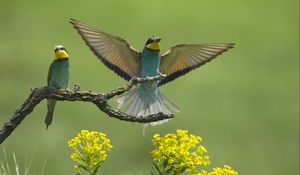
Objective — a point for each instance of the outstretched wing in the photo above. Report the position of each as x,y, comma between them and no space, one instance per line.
114,52
183,58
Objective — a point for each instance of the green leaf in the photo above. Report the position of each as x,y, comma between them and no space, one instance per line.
83,167
169,170
96,170
155,167
165,163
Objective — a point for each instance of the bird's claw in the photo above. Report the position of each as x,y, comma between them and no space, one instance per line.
148,79
63,91
76,88
68,90
162,75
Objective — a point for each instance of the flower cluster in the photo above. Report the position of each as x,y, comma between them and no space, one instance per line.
177,153
89,150
226,170
181,153
174,154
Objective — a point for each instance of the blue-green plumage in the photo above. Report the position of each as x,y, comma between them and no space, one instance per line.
148,92
146,98
58,77
150,60
59,70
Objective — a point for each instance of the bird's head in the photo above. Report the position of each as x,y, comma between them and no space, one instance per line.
153,43
60,52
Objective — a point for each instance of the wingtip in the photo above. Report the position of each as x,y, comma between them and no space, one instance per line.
231,45
78,24
73,21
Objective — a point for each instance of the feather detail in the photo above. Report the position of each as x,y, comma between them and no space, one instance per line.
113,51
51,106
139,103
183,58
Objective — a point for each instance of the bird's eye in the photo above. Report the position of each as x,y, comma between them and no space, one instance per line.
149,41
64,49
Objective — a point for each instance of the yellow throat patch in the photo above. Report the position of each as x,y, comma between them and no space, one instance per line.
61,54
153,46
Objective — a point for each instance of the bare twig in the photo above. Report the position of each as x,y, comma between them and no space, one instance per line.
99,99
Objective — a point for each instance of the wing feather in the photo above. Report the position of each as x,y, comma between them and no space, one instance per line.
183,58
48,77
49,74
114,52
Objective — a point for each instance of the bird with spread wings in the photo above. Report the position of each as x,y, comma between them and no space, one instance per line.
127,62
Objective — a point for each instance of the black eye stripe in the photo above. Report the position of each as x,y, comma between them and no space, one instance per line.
152,39
57,49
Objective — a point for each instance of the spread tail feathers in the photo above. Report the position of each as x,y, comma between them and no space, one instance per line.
49,116
139,102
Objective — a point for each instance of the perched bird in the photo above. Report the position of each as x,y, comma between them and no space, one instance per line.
58,76
127,62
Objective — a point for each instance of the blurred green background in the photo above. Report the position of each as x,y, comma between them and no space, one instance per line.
245,104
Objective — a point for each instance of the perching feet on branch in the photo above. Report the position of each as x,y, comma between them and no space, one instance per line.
99,99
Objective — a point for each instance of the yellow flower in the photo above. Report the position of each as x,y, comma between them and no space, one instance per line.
180,151
75,156
90,149
74,142
226,170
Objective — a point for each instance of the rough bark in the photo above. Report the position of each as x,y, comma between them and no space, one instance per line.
99,99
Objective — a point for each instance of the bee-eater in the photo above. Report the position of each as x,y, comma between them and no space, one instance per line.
58,76
127,62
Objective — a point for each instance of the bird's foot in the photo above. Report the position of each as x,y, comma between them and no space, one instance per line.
76,88
68,90
148,79
63,91
162,75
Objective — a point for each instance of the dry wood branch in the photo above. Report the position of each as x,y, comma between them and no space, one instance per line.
99,99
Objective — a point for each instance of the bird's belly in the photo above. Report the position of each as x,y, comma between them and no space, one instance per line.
59,79
149,68
149,71
150,65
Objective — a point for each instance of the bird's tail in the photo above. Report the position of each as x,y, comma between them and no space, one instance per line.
51,106
139,102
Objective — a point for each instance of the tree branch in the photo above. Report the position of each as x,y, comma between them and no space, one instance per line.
99,99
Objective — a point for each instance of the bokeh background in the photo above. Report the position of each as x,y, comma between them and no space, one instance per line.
245,103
